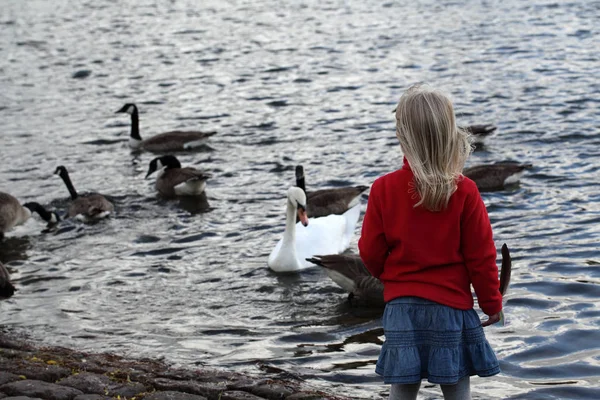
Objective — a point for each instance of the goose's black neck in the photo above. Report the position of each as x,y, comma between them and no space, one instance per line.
300,178
135,125
38,208
67,180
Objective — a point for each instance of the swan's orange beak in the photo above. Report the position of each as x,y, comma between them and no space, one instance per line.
302,216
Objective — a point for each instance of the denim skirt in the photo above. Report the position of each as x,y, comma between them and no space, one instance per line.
427,340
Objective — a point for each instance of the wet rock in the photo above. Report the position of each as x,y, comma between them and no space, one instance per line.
204,376
273,391
128,389
6,377
88,383
45,390
170,395
206,389
239,395
83,73
19,398
246,385
104,376
39,371
306,396
91,397
264,388
102,384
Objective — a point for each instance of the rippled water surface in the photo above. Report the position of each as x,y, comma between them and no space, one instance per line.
284,83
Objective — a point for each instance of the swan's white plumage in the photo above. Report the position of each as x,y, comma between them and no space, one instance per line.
325,235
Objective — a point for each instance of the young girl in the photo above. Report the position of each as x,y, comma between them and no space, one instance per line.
427,236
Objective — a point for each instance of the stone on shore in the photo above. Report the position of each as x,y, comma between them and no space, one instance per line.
41,389
102,384
239,395
19,397
6,377
91,397
170,395
206,389
64,374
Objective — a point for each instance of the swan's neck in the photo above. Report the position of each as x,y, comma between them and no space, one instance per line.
289,235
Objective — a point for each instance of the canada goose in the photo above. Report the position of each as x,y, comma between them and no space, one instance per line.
350,273
12,213
88,206
172,180
480,130
492,177
477,130
6,287
165,142
328,201
325,235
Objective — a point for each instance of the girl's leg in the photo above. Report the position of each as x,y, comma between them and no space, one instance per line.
460,391
405,391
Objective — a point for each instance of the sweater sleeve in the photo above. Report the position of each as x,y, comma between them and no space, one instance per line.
479,253
372,244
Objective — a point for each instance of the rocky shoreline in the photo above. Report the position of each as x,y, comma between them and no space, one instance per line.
28,371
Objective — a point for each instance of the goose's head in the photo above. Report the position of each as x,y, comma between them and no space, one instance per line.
128,108
165,162
299,172
61,171
50,217
297,199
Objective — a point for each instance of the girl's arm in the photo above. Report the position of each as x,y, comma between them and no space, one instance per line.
372,245
479,253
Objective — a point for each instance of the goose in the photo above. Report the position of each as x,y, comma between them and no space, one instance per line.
165,142
12,213
324,235
350,273
328,201
90,206
6,287
480,130
492,177
477,130
172,180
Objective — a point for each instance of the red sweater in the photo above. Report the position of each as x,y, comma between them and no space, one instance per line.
432,255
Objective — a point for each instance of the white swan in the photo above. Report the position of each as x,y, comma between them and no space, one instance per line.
324,235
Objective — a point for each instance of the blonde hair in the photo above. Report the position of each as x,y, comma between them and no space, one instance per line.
434,146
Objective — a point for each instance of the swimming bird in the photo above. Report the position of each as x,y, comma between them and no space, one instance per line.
477,130
6,287
480,130
497,176
325,235
167,142
350,273
172,180
90,206
12,213
328,201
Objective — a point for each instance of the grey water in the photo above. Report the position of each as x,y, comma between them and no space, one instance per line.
286,83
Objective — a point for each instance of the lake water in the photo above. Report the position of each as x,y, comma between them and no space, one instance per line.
286,83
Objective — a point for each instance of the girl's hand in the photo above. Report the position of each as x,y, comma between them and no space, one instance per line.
492,319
